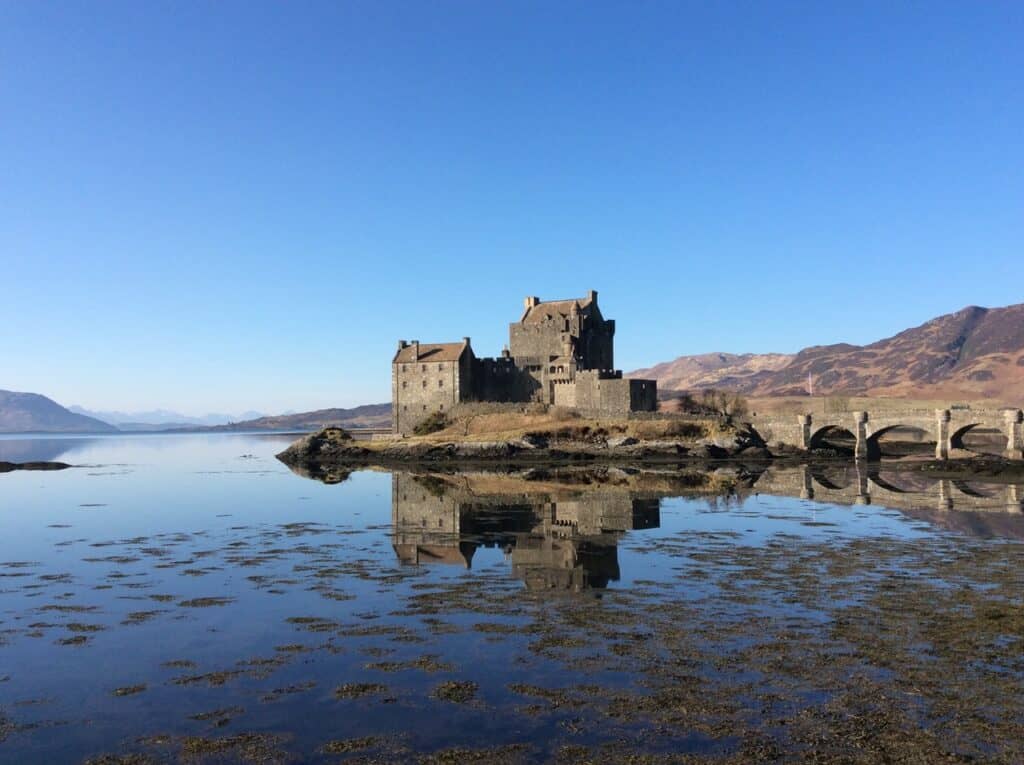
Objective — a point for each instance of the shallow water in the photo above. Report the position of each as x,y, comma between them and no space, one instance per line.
188,597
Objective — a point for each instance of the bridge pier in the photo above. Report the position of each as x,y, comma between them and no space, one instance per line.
863,486
807,484
860,431
803,421
945,494
942,444
1014,498
1014,434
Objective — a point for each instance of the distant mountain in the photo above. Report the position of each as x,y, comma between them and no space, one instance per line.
148,420
30,412
366,416
973,353
712,370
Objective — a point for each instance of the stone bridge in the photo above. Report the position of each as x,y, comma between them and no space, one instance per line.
947,428
856,484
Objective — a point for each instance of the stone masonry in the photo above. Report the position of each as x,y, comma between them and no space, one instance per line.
560,352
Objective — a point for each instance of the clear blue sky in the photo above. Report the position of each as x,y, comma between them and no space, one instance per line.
240,205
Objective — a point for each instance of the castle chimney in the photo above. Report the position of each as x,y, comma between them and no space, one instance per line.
505,352
415,350
402,344
530,302
592,296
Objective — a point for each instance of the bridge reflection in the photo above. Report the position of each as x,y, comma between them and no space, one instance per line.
863,484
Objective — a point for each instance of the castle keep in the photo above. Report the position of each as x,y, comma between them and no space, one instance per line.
560,352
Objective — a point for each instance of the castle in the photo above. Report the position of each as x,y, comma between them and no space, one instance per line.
560,352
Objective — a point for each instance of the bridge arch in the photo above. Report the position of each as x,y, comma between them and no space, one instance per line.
819,436
956,438
874,449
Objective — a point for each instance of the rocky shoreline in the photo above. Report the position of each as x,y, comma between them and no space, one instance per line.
334,446
333,450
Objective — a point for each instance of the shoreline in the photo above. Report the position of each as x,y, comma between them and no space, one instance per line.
332,450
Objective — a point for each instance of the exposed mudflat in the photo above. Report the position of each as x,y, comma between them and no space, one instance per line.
226,610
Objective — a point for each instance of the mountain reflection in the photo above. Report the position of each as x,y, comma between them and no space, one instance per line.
30,449
560,535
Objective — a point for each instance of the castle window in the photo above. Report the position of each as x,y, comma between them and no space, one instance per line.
424,368
440,383
424,383
424,407
440,367
405,383
405,407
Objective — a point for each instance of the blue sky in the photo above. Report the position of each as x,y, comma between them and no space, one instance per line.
241,205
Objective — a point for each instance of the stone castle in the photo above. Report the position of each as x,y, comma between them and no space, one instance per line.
560,352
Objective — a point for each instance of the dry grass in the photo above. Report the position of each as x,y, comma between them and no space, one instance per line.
505,422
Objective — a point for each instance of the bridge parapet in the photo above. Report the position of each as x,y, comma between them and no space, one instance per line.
947,427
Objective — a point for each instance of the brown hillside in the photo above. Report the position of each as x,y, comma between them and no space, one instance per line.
973,353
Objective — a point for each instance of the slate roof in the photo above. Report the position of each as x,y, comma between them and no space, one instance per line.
431,352
553,309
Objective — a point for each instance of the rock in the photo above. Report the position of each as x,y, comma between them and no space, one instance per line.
323,446
535,441
615,443
714,451
7,467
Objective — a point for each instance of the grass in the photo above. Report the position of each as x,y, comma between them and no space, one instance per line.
557,424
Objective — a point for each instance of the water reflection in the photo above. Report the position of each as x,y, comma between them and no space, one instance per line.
560,529
557,534
975,506
27,449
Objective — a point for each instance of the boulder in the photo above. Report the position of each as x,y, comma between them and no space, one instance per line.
615,443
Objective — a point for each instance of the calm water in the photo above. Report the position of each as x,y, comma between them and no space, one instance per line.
189,597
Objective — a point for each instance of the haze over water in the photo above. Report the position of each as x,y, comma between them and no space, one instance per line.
190,597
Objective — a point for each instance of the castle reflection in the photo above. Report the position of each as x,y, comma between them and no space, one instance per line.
561,536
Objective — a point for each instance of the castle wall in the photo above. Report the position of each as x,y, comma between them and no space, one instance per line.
501,379
596,346
643,395
565,395
609,393
422,388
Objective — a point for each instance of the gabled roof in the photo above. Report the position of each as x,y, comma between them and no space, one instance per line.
554,309
431,352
